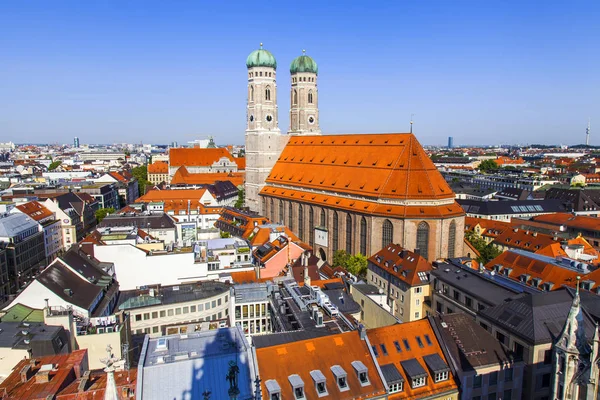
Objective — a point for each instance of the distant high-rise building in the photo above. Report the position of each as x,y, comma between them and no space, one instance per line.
450,142
587,134
76,142
174,145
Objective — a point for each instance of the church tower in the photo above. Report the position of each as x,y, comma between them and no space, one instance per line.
264,141
575,368
304,97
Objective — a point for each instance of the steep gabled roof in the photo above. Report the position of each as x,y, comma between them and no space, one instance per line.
391,166
35,210
158,167
197,156
405,265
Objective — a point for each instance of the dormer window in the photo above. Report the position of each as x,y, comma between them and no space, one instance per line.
361,373
341,378
419,382
441,376
297,386
320,382
273,389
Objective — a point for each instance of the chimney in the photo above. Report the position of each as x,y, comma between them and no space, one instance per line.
362,331
25,373
42,376
83,382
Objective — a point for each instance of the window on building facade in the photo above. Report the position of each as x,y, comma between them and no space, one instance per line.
336,232
268,93
423,239
290,217
295,96
311,227
363,236
349,234
251,93
451,239
272,211
310,97
323,222
387,233
281,211
301,222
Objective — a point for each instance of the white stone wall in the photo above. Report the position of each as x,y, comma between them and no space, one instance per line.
304,114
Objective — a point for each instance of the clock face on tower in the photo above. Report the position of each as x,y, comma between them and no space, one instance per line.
251,118
269,118
311,120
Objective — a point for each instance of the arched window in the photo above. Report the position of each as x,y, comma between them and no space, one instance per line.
363,236
290,217
251,93
323,222
281,211
310,97
300,222
272,211
423,239
335,230
311,227
348,234
451,239
295,96
268,93
387,233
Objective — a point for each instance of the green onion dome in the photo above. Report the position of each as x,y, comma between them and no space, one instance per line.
304,63
261,58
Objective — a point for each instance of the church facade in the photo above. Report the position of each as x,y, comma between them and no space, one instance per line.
341,192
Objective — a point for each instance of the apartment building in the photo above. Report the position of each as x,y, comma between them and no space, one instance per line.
404,276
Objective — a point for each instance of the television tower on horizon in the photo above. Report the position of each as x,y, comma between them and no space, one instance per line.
587,133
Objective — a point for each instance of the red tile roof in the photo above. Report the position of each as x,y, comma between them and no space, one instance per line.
183,177
35,210
197,156
96,385
570,220
390,335
392,166
68,368
300,358
159,167
407,266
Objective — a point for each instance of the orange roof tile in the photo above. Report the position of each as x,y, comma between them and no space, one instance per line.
392,166
241,163
570,220
488,227
35,210
395,335
261,234
523,239
403,264
159,167
96,385
69,366
197,156
300,358
183,177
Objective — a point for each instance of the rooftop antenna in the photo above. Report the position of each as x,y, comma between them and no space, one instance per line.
587,133
411,122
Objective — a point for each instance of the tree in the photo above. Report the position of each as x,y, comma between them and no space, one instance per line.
488,165
240,200
357,265
103,212
340,258
487,252
141,174
54,164
225,235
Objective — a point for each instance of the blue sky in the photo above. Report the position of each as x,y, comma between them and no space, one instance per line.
489,72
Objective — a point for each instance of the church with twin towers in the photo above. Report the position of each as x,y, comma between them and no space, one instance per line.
353,192
264,141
